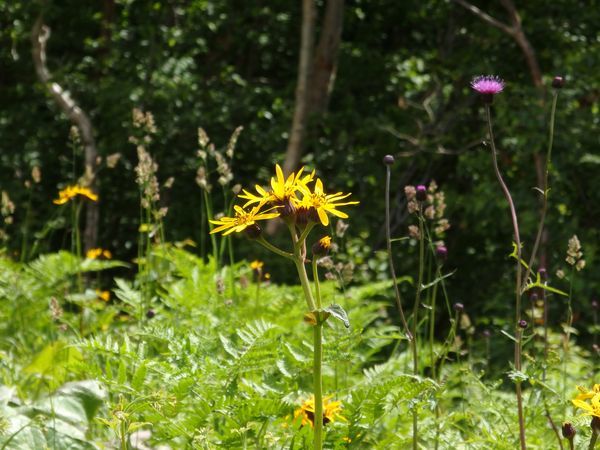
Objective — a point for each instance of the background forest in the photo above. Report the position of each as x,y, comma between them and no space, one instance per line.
380,77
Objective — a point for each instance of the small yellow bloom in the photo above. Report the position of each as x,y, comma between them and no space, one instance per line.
592,408
282,190
103,295
331,411
324,203
242,220
256,265
95,253
70,192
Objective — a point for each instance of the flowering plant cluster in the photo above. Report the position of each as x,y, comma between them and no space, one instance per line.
290,198
301,201
431,203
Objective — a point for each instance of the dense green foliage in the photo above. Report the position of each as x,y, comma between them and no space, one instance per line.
209,372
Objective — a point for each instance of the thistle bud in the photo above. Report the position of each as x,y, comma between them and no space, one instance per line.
522,324
595,304
421,193
458,307
487,334
558,82
150,314
388,160
568,430
441,252
322,246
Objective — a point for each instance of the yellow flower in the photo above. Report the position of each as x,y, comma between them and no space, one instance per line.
103,295
70,192
331,411
322,246
324,203
242,220
282,190
95,253
256,265
592,408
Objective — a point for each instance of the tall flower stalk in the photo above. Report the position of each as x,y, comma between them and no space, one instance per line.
301,202
388,160
488,87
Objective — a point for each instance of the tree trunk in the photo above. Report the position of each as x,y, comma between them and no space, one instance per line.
326,56
296,141
39,37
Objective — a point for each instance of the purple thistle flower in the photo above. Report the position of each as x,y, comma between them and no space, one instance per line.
487,86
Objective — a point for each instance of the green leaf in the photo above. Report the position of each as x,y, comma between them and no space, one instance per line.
538,284
510,336
437,280
338,312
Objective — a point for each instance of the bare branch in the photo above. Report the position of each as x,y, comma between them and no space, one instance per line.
485,17
39,37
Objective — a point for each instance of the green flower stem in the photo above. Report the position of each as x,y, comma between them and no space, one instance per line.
568,334
415,321
316,281
317,333
262,241
213,238
390,258
540,229
304,234
515,224
318,384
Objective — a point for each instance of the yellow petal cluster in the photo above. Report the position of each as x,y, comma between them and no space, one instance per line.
70,192
242,220
593,407
331,411
291,195
95,253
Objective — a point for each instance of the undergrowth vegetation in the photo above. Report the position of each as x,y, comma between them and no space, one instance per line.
175,350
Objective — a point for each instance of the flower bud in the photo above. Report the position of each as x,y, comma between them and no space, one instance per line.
487,334
253,231
458,307
522,324
322,246
595,304
388,160
150,314
441,252
533,297
568,430
421,193
558,82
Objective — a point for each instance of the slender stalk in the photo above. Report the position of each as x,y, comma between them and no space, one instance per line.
213,238
262,241
515,223
415,322
571,445
310,302
568,335
390,258
317,332
316,281
540,230
318,384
